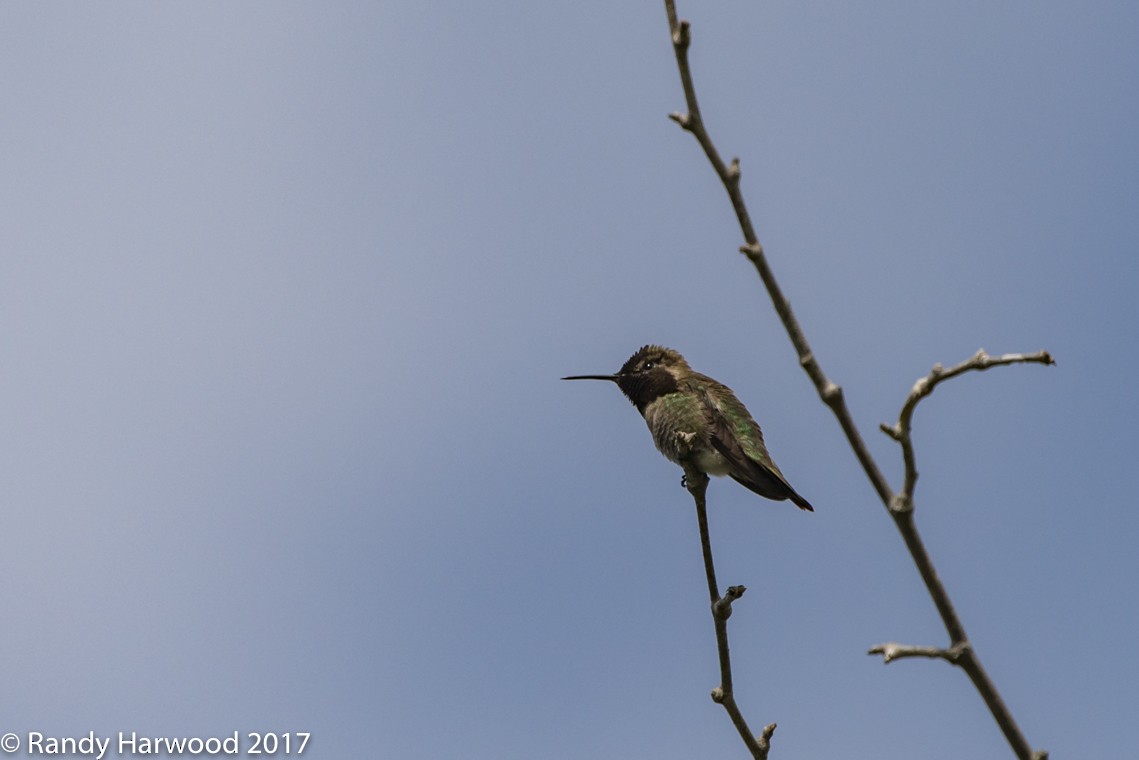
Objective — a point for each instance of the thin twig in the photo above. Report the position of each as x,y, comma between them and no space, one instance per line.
901,431
899,506
723,694
892,650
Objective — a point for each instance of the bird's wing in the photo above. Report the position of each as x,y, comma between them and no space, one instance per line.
752,466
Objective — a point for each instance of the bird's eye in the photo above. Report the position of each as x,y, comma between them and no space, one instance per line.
649,365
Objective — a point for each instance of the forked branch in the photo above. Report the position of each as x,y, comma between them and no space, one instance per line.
900,506
901,430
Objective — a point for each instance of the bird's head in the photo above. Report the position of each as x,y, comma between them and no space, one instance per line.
648,374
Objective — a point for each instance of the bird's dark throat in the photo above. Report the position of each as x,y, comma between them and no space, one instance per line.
643,388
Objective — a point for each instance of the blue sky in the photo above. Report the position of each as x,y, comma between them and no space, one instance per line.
286,290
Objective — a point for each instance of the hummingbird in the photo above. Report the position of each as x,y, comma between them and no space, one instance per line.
699,422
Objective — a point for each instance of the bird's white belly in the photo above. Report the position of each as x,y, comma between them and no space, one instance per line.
712,462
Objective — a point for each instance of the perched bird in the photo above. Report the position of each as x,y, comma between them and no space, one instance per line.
697,421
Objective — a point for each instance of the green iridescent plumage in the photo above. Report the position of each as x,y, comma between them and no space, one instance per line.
697,421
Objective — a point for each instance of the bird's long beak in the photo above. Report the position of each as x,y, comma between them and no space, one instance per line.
611,378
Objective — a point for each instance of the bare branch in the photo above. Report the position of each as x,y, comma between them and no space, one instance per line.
830,393
892,650
900,506
697,484
901,431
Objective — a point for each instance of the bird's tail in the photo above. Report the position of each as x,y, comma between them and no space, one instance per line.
800,502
